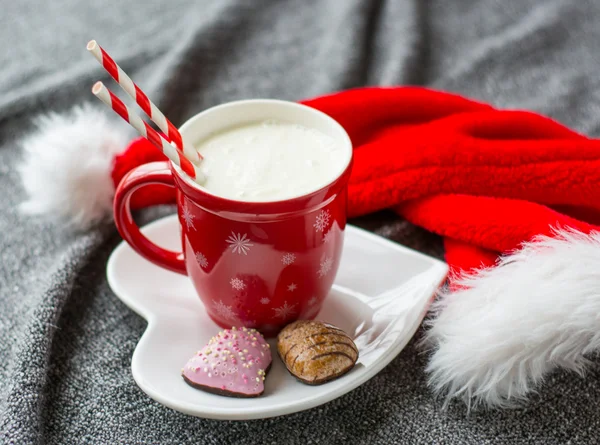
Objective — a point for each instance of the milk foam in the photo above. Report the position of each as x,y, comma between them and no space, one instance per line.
269,161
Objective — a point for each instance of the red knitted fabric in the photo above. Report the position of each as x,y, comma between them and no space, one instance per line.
484,179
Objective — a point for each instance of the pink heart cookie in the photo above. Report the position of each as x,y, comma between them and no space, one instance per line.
233,363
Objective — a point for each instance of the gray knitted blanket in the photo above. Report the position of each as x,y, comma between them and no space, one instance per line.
66,340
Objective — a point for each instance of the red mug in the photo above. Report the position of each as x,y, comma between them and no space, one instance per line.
253,264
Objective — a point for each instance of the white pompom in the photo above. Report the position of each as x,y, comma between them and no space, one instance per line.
497,339
66,169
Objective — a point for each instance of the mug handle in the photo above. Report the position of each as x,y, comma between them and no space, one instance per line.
147,174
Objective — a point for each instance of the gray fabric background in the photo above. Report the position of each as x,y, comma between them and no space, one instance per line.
66,340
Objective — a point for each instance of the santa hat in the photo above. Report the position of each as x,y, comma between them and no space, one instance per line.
513,194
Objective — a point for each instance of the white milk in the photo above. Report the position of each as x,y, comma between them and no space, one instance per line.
269,161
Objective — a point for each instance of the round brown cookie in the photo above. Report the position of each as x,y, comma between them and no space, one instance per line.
315,352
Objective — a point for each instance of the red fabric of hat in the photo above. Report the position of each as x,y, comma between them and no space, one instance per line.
484,179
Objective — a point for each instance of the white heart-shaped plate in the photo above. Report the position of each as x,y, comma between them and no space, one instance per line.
380,296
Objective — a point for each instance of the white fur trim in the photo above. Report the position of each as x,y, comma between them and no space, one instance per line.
66,169
539,309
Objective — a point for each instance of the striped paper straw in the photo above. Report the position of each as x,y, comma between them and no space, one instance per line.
142,100
172,152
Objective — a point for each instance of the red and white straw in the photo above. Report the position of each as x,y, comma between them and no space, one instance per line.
172,152
142,100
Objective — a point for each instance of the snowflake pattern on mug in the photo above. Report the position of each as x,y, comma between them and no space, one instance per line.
329,236
264,300
322,221
312,301
239,243
325,266
201,259
188,217
237,284
284,311
292,287
288,258
225,311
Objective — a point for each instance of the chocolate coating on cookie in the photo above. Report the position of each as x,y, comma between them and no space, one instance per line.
315,352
